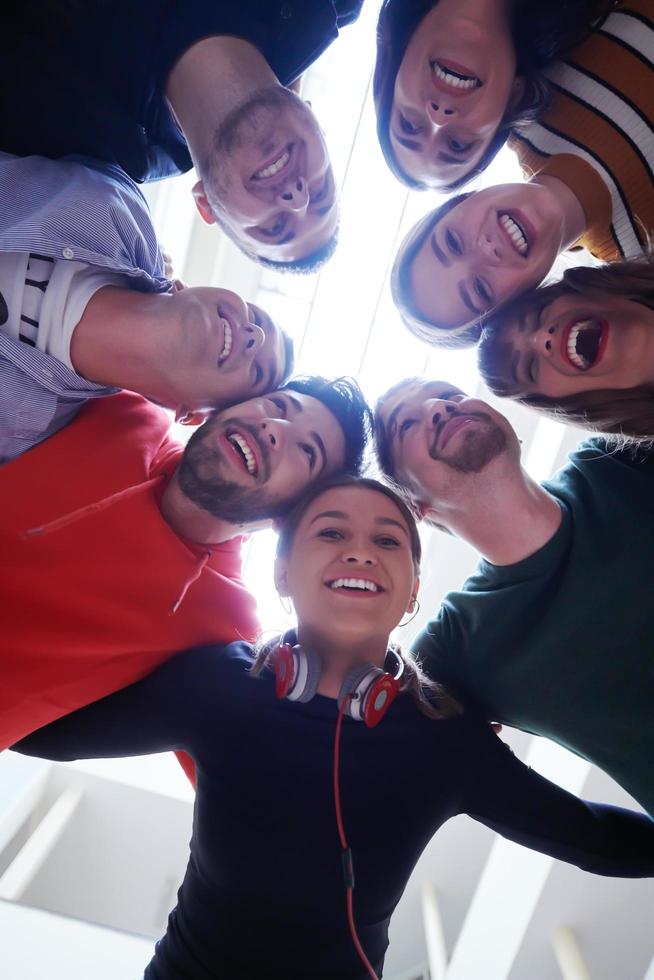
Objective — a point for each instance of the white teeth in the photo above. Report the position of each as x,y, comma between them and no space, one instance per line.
578,360
354,583
513,229
250,461
227,346
451,79
274,167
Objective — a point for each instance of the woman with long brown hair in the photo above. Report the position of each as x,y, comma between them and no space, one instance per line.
335,758
580,350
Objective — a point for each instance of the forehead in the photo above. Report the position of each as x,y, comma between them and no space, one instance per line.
357,505
412,395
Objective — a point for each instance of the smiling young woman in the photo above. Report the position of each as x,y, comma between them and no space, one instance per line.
454,77
269,888
581,350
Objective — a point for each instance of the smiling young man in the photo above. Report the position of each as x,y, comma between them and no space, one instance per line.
86,308
158,88
553,634
121,547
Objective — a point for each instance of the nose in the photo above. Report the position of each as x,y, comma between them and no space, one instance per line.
543,340
436,410
358,553
439,111
294,195
490,246
273,432
254,338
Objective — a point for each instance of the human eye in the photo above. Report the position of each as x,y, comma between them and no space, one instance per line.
454,242
407,126
258,374
458,146
483,290
387,541
320,195
279,404
276,228
405,426
532,368
330,533
310,453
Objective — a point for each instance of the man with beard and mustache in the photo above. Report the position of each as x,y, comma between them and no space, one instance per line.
121,547
160,87
553,633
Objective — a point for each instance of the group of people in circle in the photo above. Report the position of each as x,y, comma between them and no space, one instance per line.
128,629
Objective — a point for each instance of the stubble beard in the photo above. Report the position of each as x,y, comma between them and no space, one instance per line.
476,449
200,481
249,123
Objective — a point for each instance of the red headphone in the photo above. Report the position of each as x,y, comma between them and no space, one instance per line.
371,690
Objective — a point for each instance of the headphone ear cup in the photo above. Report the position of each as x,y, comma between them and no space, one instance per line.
297,672
357,683
310,670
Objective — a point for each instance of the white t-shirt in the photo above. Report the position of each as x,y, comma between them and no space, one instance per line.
42,299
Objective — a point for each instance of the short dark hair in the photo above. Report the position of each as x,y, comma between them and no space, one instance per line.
627,412
345,400
464,336
541,30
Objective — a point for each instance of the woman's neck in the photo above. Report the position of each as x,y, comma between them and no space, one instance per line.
339,654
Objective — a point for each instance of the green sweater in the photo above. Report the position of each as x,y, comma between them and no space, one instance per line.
562,643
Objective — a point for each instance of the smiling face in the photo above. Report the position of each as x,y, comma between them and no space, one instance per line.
350,565
492,246
577,343
248,463
216,349
436,437
452,89
271,181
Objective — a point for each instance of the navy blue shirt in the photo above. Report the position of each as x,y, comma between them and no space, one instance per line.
90,77
263,894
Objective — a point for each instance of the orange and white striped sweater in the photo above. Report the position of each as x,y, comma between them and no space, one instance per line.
598,134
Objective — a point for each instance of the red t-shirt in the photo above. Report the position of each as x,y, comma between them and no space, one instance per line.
91,601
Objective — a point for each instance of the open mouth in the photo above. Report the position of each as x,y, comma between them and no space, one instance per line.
227,339
515,232
355,586
583,342
456,77
243,452
275,166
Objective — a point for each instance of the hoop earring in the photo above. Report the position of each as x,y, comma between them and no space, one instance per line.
281,598
416,610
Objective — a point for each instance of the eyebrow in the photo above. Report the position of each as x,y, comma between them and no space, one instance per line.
408,144
446,158
438,252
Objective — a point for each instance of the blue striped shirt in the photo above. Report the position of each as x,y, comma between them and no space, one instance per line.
67,210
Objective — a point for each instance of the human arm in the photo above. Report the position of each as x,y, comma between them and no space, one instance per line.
523,806
168,709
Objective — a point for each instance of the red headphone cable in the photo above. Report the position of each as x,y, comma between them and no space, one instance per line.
348,867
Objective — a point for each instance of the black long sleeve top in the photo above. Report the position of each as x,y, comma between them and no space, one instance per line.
263,893
90,78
